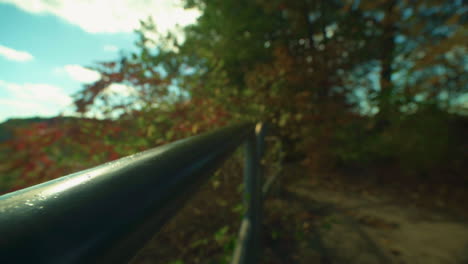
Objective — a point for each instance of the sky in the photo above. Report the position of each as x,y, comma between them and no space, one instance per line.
45,46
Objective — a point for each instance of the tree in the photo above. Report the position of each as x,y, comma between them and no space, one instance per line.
313,69
414,37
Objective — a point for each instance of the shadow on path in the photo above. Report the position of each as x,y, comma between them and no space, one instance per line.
330,226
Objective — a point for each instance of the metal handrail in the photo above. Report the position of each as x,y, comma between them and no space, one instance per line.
107,213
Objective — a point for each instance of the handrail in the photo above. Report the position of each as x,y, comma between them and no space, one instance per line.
105,214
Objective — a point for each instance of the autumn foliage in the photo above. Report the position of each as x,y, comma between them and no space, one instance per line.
344,84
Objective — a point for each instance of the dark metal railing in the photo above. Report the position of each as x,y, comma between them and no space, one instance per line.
107,213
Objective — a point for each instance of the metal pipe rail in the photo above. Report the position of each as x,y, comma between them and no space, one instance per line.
107,213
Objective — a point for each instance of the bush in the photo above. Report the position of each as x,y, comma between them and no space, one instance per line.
428,142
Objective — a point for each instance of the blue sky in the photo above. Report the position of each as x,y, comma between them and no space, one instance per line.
44,45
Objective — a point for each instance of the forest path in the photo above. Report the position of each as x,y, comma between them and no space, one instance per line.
358,227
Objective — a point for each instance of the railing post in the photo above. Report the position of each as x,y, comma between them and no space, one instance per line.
249,243
260,131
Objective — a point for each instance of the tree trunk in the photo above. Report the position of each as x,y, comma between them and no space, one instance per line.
386,61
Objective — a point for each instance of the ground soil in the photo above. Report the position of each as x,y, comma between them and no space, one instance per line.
311,217
353,223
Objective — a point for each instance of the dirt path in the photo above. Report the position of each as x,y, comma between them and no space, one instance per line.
361,228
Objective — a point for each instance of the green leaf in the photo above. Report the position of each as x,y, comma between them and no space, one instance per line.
220,235
169,134
239,208
274,234
283,119
199,242
216,184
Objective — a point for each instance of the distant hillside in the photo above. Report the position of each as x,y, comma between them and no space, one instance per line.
7,127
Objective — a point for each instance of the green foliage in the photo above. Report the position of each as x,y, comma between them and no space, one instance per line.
274,234
228,241
239,208
317,71
300,65
198,243
422,143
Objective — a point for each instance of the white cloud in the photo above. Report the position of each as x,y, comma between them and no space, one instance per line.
110,48
120,90
15,55
79,73
31,99
112,16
